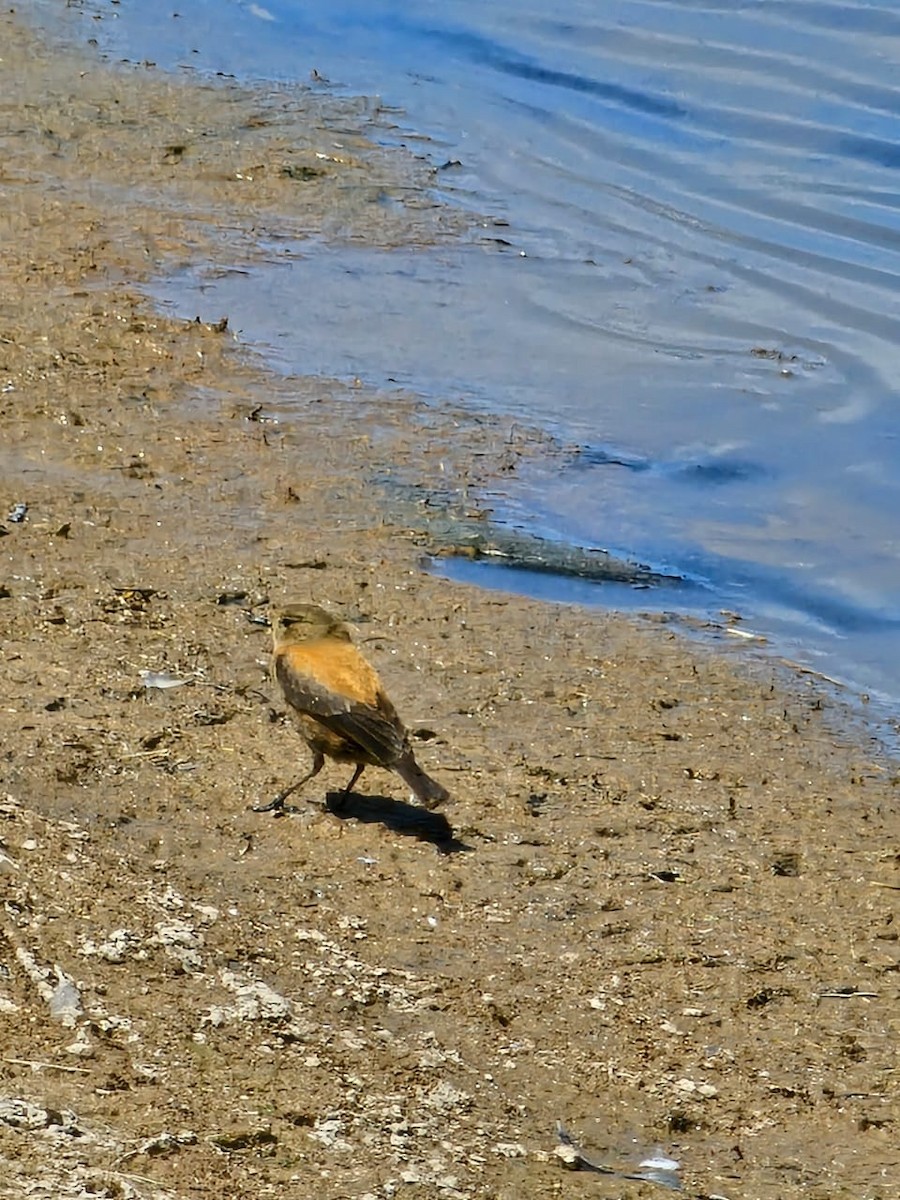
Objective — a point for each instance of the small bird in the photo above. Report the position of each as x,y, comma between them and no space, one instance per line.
339,703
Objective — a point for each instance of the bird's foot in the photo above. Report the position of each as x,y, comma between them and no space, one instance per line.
431,804
337,802
276,806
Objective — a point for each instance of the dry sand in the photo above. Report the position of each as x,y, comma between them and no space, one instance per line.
667,916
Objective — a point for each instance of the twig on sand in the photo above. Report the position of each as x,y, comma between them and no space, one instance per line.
36,1065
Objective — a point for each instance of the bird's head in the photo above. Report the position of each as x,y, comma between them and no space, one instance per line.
305,622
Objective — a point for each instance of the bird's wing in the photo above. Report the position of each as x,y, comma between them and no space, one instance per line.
378,733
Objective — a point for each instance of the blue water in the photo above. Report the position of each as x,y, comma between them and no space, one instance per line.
701,285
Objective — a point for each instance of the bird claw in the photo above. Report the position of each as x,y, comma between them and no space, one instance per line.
276,806
337,802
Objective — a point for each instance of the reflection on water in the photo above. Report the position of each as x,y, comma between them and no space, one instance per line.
699,285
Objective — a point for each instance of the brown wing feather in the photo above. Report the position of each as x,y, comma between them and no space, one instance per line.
304,673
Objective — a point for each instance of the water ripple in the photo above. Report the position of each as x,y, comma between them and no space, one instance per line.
703,251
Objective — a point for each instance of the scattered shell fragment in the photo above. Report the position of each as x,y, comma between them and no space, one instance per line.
161,679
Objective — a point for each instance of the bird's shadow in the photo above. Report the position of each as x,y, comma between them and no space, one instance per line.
399,817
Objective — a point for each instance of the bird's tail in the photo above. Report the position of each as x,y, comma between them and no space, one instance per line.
428,791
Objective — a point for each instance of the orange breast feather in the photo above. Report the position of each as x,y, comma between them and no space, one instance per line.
339,667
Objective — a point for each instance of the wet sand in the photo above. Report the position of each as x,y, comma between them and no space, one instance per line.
666,915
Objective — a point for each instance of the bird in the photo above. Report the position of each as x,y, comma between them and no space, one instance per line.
339,703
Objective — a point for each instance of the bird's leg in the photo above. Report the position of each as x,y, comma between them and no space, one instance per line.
345,794
277,805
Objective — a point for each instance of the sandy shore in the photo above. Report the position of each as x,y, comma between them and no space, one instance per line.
667,916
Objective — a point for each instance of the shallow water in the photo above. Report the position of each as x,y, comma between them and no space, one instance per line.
700,284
